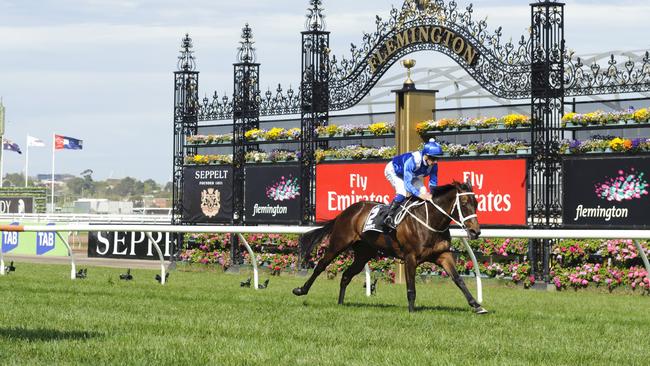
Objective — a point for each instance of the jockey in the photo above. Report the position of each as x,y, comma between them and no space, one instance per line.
406,174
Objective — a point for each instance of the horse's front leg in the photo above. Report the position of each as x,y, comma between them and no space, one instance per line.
446,260
410,264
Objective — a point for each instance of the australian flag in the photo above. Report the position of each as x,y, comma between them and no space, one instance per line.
11,146
65,142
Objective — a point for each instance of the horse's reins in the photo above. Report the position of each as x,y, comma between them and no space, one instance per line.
455,206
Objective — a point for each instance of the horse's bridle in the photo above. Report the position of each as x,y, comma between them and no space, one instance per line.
455,206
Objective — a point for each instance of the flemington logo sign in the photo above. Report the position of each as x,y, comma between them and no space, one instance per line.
275,196
609,192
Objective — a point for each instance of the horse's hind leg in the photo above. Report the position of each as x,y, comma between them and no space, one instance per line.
333,250
362,254
446,260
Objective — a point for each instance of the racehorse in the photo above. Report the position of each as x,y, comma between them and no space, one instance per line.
422,236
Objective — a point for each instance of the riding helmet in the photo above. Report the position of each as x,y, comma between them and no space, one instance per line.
432,148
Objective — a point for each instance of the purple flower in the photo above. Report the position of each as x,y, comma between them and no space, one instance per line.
574,144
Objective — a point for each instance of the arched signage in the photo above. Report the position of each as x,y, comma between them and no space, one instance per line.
437,35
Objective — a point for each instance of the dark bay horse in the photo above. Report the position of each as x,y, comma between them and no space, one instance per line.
422,236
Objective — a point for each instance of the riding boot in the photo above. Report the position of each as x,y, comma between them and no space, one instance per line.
389,221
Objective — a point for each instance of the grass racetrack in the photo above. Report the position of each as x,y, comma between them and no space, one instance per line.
207,318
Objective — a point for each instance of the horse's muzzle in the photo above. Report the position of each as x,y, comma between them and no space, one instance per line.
473,234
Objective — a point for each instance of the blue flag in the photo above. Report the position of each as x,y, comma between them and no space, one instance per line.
11,146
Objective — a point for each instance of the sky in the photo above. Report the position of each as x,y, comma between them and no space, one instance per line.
102,70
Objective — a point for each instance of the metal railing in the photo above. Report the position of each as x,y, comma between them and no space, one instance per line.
458,233
85,218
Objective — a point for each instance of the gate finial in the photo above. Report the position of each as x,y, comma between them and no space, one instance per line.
315,18
246,53
186,58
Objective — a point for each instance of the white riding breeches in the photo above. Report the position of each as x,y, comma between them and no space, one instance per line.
398,183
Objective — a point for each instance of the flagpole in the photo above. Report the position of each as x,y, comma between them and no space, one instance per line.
26,158
53,146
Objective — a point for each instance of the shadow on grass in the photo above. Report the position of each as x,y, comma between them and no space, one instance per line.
45,334
451,309
362,305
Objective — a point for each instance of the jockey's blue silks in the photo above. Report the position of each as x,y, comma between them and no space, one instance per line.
406,172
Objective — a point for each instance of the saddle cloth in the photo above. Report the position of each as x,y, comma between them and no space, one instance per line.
375,219
377,215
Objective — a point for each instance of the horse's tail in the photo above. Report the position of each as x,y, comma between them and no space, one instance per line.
309,239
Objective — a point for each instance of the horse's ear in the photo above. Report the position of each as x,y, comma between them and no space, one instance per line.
468,183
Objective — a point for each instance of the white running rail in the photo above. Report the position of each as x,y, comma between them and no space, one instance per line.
635,235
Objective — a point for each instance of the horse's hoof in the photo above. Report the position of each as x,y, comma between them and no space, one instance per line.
298,291
480,310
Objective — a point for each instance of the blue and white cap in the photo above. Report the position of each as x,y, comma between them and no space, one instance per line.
432,148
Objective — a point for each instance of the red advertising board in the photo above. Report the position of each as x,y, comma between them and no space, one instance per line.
341,185
500,187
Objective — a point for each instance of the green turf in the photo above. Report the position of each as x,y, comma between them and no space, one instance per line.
206,318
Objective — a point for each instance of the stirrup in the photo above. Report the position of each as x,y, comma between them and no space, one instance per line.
389,222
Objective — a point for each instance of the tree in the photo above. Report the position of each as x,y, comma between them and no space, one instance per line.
14,180
126,187
150,186
75,185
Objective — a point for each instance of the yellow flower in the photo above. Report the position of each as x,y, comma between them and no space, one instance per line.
484,122
617,144
294,133
568,118
275,133
445,123
423,127
515,120
252,135
380,128
332,130
641,115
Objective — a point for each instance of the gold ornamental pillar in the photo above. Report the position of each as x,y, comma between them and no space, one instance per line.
412,106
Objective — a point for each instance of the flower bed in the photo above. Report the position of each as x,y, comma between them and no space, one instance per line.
209,139
577,264
600,118
605,144
208,159
487,148
355,152
457,124
272,157
274,134
375,129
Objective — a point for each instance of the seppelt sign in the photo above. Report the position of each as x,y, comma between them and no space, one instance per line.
500,187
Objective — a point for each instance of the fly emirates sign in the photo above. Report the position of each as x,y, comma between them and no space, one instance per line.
500,187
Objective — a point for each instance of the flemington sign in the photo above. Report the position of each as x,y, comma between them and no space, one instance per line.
607,192
423,34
